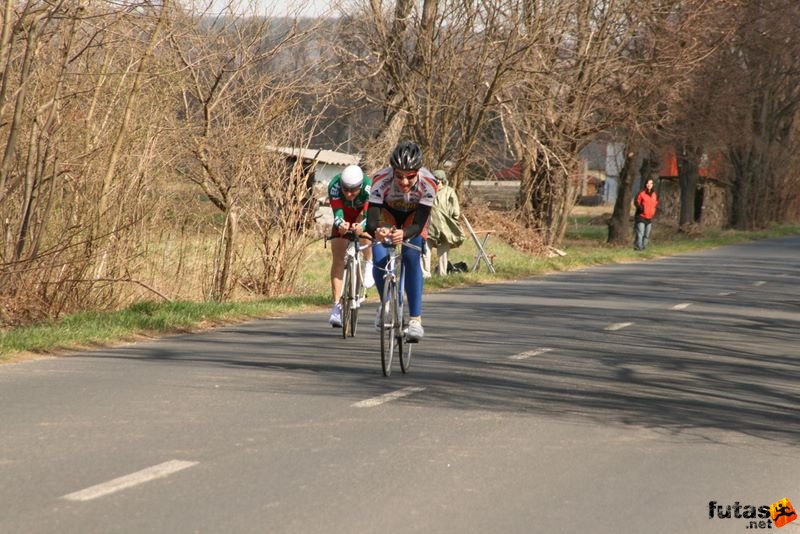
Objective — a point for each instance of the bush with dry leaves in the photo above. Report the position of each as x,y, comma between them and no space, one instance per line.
507,225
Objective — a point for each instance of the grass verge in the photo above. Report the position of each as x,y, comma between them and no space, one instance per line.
144,319
584,245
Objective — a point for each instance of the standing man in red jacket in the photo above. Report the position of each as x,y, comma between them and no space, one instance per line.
646,203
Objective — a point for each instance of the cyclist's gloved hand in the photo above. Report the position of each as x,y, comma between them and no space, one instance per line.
343,228
397,236
382,233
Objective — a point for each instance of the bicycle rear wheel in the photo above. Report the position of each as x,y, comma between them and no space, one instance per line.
388,326
344,302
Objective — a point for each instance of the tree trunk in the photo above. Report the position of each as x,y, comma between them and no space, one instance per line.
221,281
22,95
619,225
688,177
545,199
740,215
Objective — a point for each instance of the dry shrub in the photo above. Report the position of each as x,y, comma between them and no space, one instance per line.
507,225
691,229
20,309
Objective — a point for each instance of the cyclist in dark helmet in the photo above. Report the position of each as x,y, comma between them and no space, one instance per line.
399,209
406,156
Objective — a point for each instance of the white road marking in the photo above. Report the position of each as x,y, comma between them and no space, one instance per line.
617,326
394,395
128,481
727,293
529,354
759,283
681,306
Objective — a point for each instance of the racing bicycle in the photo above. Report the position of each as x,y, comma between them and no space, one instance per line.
393,322
353,290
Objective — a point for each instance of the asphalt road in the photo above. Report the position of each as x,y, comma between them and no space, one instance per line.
620,398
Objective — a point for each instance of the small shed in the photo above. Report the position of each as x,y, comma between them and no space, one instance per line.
320,166
323,164
712,207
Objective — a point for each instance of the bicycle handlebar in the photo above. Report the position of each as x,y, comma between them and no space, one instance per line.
348,235
406,244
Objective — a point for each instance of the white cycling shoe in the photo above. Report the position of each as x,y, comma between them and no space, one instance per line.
415,332
369,279
336,316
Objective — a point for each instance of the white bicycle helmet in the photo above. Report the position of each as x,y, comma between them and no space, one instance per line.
352,176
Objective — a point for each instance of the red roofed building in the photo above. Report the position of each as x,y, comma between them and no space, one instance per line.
712,198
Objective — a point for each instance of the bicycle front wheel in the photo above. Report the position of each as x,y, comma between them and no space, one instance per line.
403,347
344,302
388,339
358,286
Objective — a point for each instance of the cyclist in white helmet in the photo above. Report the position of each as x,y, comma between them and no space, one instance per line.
348,193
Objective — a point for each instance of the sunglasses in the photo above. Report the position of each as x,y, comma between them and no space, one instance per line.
404,175
355,189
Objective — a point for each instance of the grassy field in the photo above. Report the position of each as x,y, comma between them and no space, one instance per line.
584,245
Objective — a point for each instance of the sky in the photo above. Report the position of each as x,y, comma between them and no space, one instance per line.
307,8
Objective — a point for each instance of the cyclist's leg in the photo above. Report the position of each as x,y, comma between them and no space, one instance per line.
379,258
368,276
338,248
413,278
366,254
413,281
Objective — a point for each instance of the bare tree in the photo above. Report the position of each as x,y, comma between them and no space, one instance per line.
435,72
55,192
593,67
96,130
762,74
556,102
651,96
234,96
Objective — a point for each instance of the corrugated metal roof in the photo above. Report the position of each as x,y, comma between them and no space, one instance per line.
331,157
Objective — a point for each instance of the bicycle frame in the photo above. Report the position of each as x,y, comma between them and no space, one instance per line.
353,264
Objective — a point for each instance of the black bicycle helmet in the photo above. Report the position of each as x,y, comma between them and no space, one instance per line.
406,156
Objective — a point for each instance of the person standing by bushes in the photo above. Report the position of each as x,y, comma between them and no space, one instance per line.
646,204
445,232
